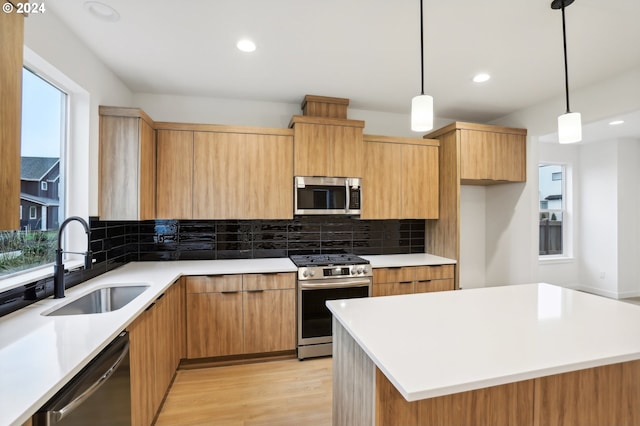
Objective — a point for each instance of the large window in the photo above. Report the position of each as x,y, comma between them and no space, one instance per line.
44,111
552,205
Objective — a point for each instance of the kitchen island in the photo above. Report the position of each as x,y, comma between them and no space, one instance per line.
533,354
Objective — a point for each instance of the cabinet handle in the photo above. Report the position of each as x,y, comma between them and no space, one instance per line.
230,292
394,267
150,306
406,282
424,281
160,297
254,291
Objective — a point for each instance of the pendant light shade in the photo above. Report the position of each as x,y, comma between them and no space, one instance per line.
569,123
421,105
569,127
422,113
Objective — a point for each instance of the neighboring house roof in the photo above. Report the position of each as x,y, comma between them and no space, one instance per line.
36,168
44,201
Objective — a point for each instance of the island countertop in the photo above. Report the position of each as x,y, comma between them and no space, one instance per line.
435,344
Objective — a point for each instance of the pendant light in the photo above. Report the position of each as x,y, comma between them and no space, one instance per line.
421,105
569,123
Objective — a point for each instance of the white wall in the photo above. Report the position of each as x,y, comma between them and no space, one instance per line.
472,236
53,49
598,206
628,218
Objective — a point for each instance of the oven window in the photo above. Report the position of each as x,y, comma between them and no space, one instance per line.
316,317
322,197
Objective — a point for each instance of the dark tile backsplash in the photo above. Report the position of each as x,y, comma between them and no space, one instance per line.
115,243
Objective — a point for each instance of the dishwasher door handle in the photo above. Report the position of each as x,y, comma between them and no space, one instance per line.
60,414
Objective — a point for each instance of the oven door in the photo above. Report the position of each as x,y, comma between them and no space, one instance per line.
314,318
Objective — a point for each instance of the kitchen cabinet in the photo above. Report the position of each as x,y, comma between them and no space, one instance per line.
214,316
400,178
327,146
155,350
240,314
127,159
174,199
242,175
488,154
412,279
11,46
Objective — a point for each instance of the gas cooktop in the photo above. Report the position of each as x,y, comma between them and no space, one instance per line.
307,260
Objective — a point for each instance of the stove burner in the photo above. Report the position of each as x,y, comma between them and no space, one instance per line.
327,260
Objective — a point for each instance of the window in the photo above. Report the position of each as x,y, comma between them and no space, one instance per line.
552,206
44,112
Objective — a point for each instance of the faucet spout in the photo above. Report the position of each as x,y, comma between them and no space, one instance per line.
58,268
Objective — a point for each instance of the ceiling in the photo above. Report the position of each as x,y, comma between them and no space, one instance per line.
365,50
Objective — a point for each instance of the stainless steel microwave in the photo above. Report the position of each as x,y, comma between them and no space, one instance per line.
327,195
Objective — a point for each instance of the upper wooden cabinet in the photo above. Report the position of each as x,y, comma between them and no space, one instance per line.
327,146
11,45
400,178
242,176
127,157
488,154
224,172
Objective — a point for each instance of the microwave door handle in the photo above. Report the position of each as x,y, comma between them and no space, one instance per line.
347,206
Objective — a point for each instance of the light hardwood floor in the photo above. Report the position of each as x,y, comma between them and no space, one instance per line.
285,392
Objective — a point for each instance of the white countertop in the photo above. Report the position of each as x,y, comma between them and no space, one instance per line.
399,260
39,354
435,344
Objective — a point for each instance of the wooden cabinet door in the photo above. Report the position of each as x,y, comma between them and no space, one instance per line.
218,180
427,286
510,158
476,155
382,183
269,320
268,171
269,308
174,174
420,189
327,150
142,358
147,173
12,35
214,316
392,289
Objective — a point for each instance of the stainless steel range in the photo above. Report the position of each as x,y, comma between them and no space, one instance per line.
320,278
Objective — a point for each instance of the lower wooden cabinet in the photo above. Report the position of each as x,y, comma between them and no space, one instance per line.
156,345
240,314
413,279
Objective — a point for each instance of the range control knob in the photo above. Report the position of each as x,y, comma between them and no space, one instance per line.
305,273
365,270
359,270
312,272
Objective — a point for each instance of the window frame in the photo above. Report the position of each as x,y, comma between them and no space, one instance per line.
565,210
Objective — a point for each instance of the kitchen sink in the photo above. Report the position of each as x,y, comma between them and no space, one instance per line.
106,299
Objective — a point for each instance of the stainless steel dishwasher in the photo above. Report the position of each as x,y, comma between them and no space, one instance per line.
100,394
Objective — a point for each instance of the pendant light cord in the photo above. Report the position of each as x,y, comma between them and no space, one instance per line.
422,52
566,67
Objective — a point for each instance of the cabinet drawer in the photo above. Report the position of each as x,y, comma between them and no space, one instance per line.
392,289
274,281
390,275
426,286
214,283
434,272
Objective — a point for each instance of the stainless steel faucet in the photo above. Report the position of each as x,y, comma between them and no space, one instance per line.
58,268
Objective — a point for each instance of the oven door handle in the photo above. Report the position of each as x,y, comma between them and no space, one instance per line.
328,284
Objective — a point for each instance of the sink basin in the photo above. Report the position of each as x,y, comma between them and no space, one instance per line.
106,299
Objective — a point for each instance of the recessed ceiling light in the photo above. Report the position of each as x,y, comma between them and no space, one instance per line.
246,45
102,11
481,78
616,122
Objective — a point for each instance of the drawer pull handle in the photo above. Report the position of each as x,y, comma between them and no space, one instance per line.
406,282
424,281
230,292
255,291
